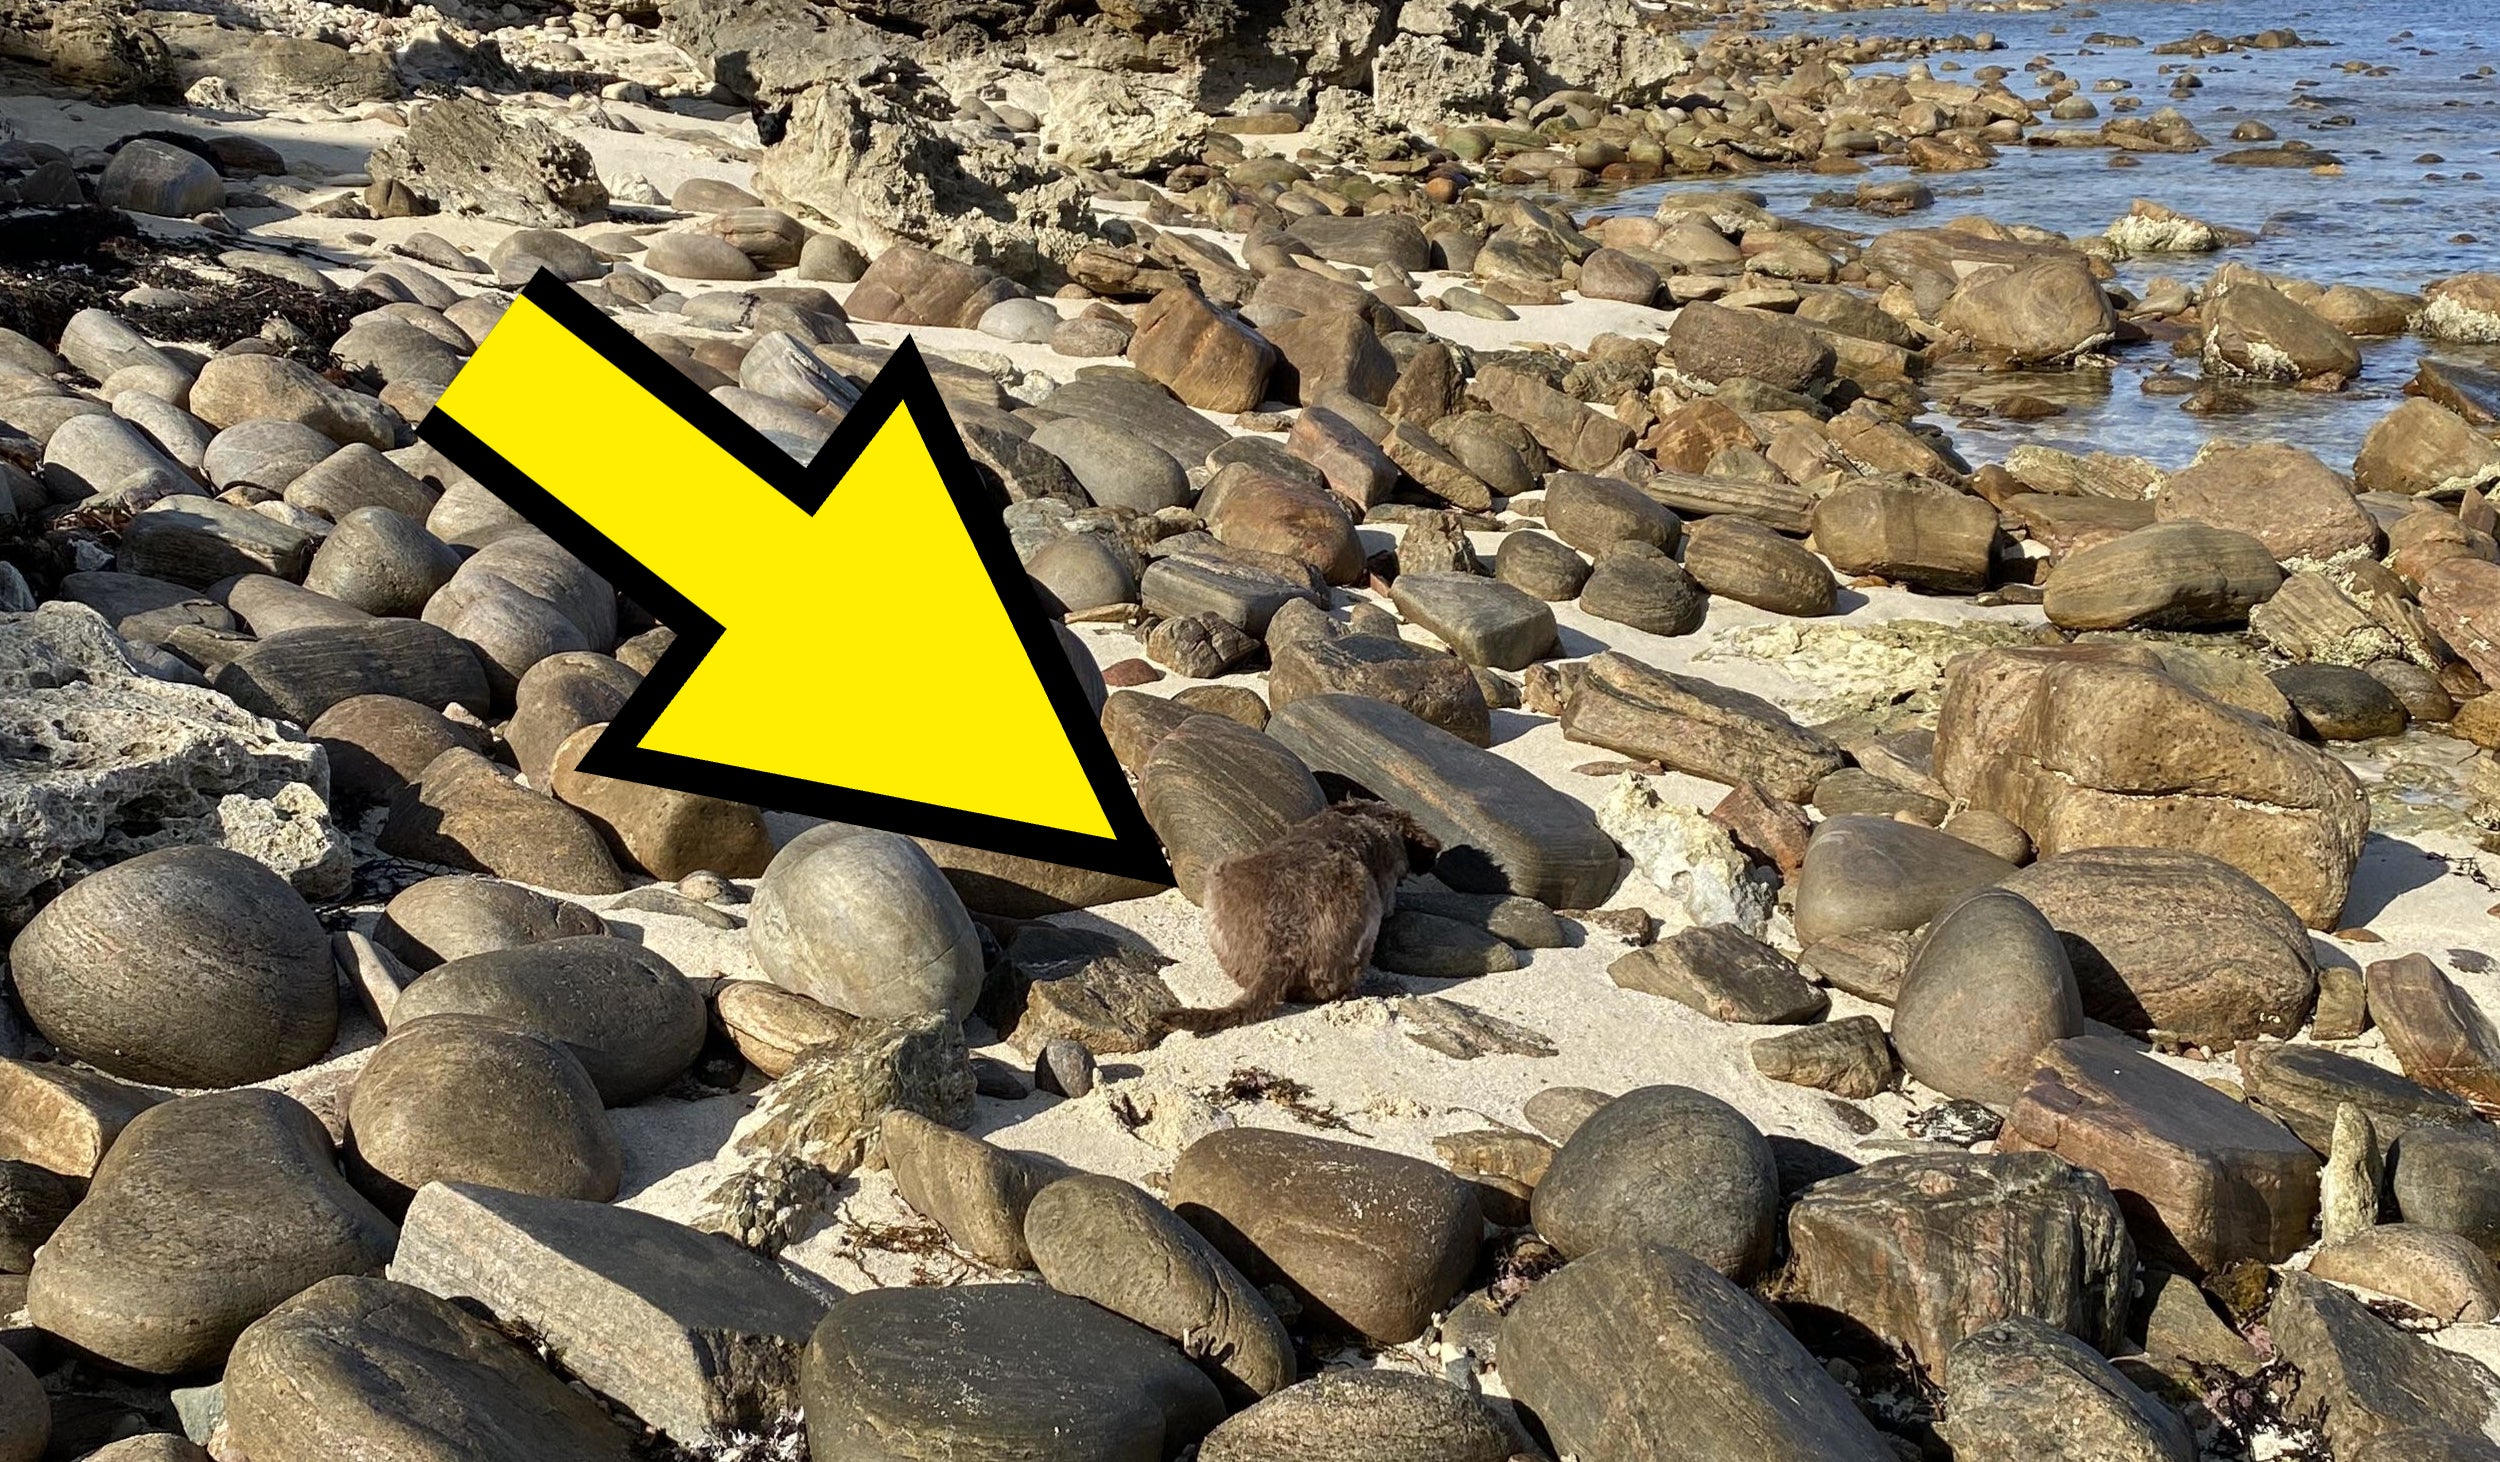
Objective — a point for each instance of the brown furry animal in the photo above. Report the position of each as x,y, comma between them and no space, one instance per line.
1297,919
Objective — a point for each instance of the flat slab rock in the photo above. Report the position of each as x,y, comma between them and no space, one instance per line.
2304,1085
1240,594
1483,621
998,1371
1693,726
1501,829
2205,1181
697,1336
1725,974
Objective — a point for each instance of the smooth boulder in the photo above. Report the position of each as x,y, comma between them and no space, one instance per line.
1664,1165
997,1371
458,1099
208,1213
192,967
369,1368
626,1014
864,922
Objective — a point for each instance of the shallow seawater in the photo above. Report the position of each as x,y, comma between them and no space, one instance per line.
2390,221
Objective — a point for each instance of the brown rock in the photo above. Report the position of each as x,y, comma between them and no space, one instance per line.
2438,1034
209,1212
1273,515
380,743
63,1119
2177,575
559,696
1924,537
1848,1057
1772,829
2360,1377
1369,1240
977,1192
908,285
1714,343
465,813
2461,600
2176,942
660,830
1594,513
2422,448
2045,310
1206,355
2282,496
1440,689
1330,351
2204,1181
1214,790
1579,437
771,1026
2441,1274
1725,974
2252,329
1748,562
1695,726
1644,1352
2062,743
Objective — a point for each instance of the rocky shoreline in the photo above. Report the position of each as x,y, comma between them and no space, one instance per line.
1908,953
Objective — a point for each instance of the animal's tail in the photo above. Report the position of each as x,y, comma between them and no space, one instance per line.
1253,1005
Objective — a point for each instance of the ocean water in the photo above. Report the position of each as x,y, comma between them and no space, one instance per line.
2398,81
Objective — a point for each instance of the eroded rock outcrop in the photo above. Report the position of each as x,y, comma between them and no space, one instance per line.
107,762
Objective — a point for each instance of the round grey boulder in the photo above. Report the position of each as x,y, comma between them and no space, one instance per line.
1027,321
1988,988
147,176
698,256
1362,1416
381,562
188,967
997,1371
1664,1165
1107,1241
863,921
456,1099
1118,470
626,1014
460,914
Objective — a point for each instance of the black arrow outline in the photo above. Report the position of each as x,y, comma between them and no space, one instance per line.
1133,851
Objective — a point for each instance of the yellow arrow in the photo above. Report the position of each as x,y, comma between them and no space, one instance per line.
855,637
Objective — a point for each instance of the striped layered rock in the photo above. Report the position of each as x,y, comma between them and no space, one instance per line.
2099,747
